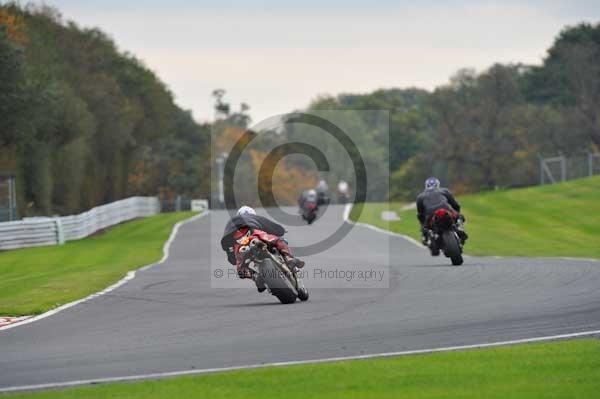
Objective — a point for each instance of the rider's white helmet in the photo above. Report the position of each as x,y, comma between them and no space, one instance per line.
322,186
246,210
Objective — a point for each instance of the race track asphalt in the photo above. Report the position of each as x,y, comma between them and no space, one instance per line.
174,316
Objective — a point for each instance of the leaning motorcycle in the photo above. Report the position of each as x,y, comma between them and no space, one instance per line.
443,236
265,262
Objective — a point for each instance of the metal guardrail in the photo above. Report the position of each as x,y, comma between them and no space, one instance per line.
39,231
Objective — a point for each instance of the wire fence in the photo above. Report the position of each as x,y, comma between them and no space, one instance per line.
561,168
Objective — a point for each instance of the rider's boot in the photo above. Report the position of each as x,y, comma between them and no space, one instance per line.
284,249
295,263
460,229
425,237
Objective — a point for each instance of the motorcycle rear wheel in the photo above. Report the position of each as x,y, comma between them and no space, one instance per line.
452,248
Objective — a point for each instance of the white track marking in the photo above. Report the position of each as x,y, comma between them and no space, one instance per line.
570,258
130,275
68,384
348,209
409,206
6,320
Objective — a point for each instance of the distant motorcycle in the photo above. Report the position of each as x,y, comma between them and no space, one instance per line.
309,211
268,264
342,192
443,236
323,199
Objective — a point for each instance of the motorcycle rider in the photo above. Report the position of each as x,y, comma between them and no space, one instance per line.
342,192
322,190
309,205
433,198
307,196
246,223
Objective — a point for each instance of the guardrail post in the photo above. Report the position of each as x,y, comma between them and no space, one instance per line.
60,232
199,205
563,167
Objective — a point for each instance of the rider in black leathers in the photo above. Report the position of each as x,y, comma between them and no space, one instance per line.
307,196
433,198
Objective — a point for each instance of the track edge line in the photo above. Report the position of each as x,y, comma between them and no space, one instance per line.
68,384
129,276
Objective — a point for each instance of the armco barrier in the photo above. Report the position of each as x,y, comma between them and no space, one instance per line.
39,231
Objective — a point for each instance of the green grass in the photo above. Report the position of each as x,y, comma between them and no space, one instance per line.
34,280
553,220
569,369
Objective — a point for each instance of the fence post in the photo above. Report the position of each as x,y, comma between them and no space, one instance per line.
12,199
563,167
541,169
590,163
60,232
545,170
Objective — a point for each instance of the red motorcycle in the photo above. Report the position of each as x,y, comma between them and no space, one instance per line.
443,235
310,209
266,263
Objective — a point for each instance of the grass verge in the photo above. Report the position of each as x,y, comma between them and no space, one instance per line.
553,220
568,369
34,280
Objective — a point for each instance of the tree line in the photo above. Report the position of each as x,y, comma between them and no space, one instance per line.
483,131
83,123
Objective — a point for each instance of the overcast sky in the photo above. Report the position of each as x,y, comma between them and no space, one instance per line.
278,55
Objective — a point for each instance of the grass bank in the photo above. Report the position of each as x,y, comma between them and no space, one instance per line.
553,220
34,280
569,369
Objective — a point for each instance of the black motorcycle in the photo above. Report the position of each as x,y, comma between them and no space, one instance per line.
442,235
268,265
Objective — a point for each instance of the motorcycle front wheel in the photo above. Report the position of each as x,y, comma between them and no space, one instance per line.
280,285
